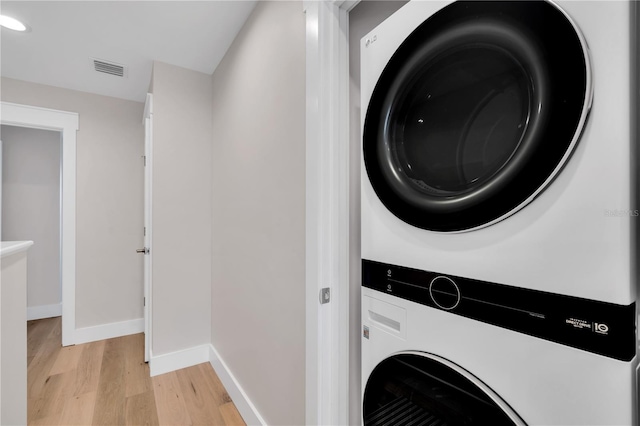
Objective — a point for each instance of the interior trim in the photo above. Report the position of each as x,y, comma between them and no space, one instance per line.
66,123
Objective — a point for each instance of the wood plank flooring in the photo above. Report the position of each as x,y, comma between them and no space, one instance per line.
108,383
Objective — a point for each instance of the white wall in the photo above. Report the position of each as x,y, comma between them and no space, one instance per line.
258,290
31,209
109,205
362,19
181,209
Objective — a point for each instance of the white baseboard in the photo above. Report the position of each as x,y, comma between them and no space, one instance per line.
167,363
108,331
242,402
44,311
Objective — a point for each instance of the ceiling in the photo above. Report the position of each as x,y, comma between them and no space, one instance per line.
64,36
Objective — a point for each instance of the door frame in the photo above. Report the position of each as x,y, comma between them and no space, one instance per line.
327,210
67,124
147,121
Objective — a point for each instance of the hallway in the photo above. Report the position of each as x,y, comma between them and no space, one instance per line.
107,383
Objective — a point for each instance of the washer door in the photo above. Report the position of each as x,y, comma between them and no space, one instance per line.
476,112
422,389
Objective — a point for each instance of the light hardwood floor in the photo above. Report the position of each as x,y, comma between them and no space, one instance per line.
108,383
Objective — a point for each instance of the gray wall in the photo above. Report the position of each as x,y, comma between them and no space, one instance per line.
362,19
31,206
258,290
181,245
109,204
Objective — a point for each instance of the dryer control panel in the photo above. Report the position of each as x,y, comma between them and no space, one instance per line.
603,328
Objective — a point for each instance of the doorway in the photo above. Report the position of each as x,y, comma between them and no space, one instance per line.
31,211
67,124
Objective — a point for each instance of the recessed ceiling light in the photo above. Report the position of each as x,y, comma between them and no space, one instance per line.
12,23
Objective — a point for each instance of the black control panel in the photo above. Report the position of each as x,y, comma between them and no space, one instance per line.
603,328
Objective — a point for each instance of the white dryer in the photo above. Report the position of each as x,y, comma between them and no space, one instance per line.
499,208
484,154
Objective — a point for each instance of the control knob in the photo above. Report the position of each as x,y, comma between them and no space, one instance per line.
444,292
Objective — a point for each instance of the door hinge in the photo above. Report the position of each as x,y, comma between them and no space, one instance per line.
144,301
144,231
144,159
325,295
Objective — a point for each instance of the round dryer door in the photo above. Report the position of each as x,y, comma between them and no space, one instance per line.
422,389
476,112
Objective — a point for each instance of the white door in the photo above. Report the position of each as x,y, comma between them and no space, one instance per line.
146,250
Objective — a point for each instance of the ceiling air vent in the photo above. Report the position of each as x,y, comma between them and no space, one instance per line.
107,67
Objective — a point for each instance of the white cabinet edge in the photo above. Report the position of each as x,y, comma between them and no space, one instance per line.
8,248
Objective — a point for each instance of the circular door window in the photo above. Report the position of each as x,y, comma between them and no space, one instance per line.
476,112
421,388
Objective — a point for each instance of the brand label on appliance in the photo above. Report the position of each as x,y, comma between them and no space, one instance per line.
371,40
578,323
596,327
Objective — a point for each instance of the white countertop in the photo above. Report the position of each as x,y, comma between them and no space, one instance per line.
11,247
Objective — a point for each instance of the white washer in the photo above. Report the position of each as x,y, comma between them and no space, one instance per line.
535,381
511,261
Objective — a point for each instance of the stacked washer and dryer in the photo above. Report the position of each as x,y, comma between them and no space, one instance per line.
499,214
